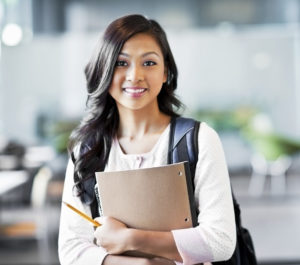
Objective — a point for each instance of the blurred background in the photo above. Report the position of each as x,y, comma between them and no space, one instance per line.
239,71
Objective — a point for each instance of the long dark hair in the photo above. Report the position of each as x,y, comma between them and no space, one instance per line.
94,134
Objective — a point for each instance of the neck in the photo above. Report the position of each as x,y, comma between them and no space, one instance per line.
134,124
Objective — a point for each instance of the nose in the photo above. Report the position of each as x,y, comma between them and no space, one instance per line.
134,74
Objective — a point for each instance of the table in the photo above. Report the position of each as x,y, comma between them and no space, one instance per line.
12,179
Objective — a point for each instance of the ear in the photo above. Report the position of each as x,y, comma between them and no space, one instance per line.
165,75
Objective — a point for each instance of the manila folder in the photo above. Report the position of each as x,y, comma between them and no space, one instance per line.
158,198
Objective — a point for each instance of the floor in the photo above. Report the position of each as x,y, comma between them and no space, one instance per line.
272,220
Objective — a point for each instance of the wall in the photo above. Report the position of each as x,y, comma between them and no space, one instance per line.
218,68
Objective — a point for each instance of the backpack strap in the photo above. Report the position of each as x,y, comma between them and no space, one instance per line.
89,195
183,146
183,142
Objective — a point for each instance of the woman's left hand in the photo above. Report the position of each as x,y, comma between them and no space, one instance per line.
112,235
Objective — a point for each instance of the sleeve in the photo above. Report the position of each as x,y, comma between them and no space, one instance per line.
76,235
214,238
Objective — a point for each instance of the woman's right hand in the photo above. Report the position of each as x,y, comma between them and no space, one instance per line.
126,260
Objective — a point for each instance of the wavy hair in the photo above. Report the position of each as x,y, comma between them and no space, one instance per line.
94,134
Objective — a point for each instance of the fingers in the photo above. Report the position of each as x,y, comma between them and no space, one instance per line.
110,235
99,237
102,231
98,243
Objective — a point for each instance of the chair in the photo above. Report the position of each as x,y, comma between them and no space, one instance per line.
27,223
276,169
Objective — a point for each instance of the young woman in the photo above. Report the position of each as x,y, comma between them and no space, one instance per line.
131,80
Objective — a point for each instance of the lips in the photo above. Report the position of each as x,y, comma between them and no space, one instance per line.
134,91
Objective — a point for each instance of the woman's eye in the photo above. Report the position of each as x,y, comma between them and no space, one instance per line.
121,63
149,63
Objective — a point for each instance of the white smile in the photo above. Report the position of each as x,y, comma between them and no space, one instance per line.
135,90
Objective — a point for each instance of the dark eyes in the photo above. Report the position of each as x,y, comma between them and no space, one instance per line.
149,63
122,63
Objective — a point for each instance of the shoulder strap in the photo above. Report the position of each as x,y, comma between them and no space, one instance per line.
183,146
89,195
183,142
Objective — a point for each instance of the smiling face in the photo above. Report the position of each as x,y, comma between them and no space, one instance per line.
139,74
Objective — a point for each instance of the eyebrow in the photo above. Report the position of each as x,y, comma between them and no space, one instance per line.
144,55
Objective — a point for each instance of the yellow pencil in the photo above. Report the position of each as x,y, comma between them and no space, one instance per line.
82,214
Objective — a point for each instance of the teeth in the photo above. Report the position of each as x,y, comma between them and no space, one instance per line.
131,90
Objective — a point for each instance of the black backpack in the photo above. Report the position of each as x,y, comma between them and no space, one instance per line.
183,146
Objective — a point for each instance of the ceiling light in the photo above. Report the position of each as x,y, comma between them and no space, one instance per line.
12,34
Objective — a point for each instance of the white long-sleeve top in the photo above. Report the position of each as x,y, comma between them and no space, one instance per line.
212,240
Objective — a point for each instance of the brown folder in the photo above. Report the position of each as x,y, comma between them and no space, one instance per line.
158,198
